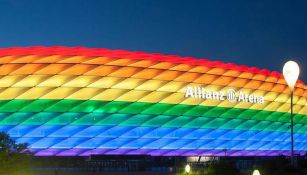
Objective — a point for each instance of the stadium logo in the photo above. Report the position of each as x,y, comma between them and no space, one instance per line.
231,95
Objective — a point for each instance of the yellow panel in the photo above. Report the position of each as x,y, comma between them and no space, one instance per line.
210,103
34,93
128,83
132,96
193,101
109,94
11,93
174,98
7,81
55,81
84,94
105,82
172,86
30,81
150,85
59,93
244,105
80,81
154,97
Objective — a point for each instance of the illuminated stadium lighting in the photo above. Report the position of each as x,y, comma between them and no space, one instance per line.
187,168
256,172
291,72
80,101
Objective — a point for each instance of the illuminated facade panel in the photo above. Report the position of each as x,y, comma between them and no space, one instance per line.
81,101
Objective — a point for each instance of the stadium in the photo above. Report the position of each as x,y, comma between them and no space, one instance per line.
79,101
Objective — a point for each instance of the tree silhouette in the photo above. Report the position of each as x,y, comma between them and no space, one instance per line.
14,157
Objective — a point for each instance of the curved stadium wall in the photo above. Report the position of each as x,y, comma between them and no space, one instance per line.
81,101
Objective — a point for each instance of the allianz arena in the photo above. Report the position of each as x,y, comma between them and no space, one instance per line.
80,101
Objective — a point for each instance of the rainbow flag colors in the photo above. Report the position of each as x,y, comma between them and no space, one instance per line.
80,101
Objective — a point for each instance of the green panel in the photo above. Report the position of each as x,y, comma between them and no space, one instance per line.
112,107
156,109
63,106
39,118
135,108
215,123
178,110
143,108
136,120
38,105
196,110
15,118
64,118
246,125
198,122
178,122
157,121
260,125
90,119
232,124
13,105
86,106
113,119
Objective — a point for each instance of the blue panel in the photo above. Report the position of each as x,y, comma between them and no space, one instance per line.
46,142
6,128
91,131
138,132
67,131
69,143
42,131
158,132
177,144
115,131
93,143
178,133
158,143
115,143
214,134
137,143
198,133
29,141
230,135
20,130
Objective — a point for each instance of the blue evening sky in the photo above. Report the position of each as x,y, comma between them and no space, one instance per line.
255,33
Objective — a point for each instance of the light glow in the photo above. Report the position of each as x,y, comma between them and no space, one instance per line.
291,72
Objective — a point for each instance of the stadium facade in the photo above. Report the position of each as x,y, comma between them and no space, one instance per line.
80,101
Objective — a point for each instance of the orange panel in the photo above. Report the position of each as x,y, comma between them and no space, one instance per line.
8,68
223,80
53,69
168,75
125,72
147,73
266,86
187,77
206,79
27,69
239,82
78,69
253,84
102,70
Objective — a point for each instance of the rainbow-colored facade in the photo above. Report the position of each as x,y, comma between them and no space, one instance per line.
81,101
